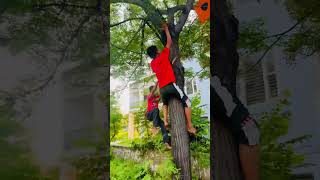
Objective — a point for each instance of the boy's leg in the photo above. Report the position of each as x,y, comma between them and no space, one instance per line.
244,128
187,108
165,136
165,100
191,129
154,118
159,123
165,115
151,117
249,148
249,158
163,131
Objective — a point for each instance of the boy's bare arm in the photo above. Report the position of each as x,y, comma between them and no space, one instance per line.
157,99
154,88
166,30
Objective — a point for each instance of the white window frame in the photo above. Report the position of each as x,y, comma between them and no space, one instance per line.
266,74
242,82
193,82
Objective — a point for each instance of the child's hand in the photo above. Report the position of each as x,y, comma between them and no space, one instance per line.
165,26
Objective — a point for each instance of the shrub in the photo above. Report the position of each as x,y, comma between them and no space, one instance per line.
128,169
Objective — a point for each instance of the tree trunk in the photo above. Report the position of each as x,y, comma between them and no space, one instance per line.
180,138
225,164
105,22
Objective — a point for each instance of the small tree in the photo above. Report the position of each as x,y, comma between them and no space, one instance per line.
116,118
142,124
278,158
16,158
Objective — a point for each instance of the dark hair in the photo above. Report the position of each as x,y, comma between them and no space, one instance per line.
152,51
150,88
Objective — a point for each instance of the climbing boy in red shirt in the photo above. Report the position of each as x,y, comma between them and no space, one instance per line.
161,66
153,114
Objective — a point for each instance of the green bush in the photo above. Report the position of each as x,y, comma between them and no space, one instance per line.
16,157
202,139
144,145
142,124
200,146
128,169
278,158
117,120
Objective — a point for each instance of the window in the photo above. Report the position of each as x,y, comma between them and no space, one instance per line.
190,86
259,83
255,90
195,87
238,88
271,79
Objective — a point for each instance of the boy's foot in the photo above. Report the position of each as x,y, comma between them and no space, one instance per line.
192,130
154,131
167,145
166,125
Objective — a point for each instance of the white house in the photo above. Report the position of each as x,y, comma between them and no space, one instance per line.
260,88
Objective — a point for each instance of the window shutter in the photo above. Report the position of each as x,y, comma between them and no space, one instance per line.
238,88
272,79
195,88
189,87
255,90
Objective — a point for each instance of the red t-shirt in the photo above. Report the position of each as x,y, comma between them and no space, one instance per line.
161,66
152,103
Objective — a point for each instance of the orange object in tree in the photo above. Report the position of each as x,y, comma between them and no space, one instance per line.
203,10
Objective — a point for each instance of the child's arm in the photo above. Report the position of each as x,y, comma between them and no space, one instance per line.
166,30
157,99
154,89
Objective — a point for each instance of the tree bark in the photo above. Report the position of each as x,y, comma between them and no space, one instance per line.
225,163
179,138
105,24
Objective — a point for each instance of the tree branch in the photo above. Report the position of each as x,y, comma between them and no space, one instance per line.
61,59
286,31
142,43
136,33
130,19
173,9
139,3
63,5
154,15
130,78
279,37
197,73
154,30
183,18
123,49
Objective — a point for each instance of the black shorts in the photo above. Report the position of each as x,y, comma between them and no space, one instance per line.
173,91
237,117
244,127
